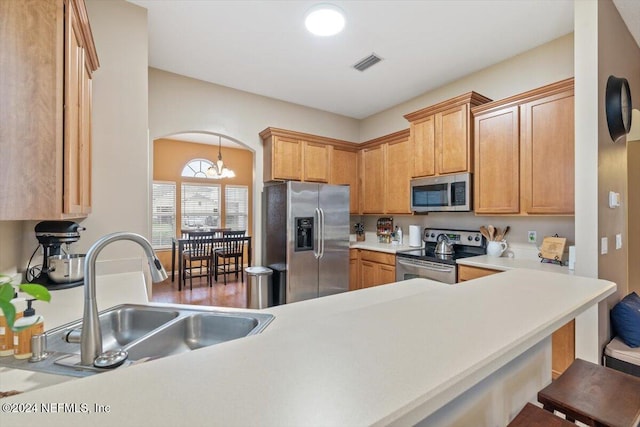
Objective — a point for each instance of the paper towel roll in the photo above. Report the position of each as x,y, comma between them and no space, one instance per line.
415,236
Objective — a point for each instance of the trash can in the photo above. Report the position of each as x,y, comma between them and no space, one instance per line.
259,293
279,285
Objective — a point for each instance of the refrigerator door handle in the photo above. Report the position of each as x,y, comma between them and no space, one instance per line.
318,235
321,232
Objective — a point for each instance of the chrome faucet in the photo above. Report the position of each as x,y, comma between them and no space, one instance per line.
91,337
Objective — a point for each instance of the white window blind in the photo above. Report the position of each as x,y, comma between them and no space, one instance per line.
163,222
236,206
200,206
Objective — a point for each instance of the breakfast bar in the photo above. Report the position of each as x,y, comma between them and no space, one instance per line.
406,353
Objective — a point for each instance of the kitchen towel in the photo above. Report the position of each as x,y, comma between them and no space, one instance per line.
415,236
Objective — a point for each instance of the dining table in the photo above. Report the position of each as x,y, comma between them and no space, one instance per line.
178,244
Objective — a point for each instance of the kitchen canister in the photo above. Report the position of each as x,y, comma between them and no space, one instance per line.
415,236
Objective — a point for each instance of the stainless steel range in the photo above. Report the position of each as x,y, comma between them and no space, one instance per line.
432,260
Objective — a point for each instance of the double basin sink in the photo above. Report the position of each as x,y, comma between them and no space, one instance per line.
146,333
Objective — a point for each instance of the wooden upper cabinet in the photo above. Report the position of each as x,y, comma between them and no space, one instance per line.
548,154
524,148
373,179
51,79
399,161
316,162
296,156
442,136
385,165
453,140
286,159
344,171
423,139
497,162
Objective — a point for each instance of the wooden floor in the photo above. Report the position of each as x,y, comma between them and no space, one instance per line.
231,295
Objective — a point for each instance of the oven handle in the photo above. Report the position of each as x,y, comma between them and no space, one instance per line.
426,267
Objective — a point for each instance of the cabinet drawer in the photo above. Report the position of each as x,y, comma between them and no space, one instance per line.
379,257
466,272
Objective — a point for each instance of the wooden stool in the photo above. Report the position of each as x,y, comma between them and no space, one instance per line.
594,395
533,416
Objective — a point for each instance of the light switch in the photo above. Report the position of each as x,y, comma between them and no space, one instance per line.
614,199
604,246
619,241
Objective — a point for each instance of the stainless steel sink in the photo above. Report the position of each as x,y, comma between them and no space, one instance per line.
120,326
193,332
145,333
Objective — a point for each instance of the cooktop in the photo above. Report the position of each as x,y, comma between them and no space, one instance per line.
465,243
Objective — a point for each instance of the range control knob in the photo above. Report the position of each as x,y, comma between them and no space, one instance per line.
477,239
433,235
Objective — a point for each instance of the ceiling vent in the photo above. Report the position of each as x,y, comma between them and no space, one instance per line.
367,62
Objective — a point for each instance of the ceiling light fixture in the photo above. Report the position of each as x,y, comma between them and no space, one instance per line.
218,170
325,20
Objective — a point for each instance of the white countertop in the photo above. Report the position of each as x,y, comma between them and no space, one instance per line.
505,263
379,247
372,356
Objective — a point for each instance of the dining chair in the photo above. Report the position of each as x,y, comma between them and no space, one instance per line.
197,257
230,258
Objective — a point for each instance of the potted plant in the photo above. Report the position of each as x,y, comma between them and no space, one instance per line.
359,227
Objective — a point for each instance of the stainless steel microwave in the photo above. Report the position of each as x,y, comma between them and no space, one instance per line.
441,193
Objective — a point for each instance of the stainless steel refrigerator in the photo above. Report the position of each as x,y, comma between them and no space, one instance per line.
306,228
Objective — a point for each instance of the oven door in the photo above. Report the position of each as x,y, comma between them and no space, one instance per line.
411,268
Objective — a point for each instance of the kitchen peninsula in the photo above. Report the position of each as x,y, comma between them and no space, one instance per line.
470,354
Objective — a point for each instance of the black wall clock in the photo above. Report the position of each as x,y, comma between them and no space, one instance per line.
618,107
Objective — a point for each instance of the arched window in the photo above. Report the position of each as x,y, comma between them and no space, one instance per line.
196,168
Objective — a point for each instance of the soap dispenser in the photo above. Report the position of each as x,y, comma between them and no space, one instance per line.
34,325
6,334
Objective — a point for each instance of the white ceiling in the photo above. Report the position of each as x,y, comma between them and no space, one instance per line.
262,47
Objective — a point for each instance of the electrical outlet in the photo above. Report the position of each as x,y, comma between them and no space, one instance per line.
604,246
618,241
532,236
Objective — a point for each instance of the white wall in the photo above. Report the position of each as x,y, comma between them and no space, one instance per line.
181,104
537,67
120,168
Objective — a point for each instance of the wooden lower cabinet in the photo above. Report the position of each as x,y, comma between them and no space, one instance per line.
562,340
376,268
354,269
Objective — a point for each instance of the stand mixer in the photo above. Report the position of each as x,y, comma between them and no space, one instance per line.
58,271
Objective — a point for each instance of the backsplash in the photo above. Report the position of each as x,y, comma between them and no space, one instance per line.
543,226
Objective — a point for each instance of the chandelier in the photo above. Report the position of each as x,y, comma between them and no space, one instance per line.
218,169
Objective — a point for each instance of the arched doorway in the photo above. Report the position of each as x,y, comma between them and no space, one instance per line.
184,196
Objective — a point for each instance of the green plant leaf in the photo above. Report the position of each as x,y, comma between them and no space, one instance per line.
6,292
39,292
9,312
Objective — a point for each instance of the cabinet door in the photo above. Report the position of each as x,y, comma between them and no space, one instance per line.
386,274
344,171
423,138
452,141
286,160
354,270
497,164
86,142
373,181
548,155
316,162
73,134
398,176
468,272
562,348
368,274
